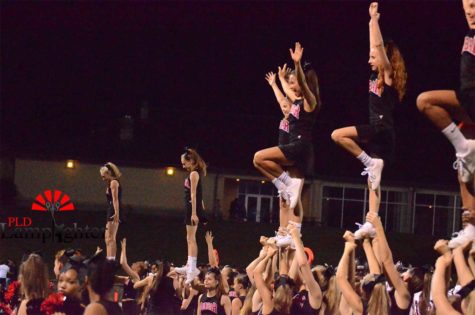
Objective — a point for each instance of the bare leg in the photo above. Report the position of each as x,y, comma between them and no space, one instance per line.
374,198
296,214
191,240
441,108
283,214
110,238
270,161
346,137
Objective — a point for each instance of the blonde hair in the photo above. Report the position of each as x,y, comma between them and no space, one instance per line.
112,169
283,298
247,305
378,303
327,281
34,278
59,254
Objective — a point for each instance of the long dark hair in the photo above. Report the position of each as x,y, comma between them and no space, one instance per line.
217,275
416,281
100,273
192,155
312,81
157,279
425,307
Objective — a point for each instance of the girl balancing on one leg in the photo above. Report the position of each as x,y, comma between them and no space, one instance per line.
444,106
194,164
386,89
110,174
285,215
285,105
295,132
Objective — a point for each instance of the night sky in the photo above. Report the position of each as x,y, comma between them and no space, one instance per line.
70,71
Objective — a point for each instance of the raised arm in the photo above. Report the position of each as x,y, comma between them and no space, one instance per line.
250,268
211,257
346,288
281,99
464,274
439,286
310,99
315,293
264,291
283,72
123,262
376,41
401,295
471,260
370,257
146,282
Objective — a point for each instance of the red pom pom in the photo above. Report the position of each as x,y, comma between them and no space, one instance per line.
5,308
53,303
12,291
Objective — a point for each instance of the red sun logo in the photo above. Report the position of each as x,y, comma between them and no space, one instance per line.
53,201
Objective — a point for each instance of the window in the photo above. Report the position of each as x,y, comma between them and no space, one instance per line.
260,201
436,214
344,205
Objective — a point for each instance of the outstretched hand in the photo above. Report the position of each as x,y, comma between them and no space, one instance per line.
270,77
271,251
464,247
442,247
297,53
283,71
209,237
373,10
263,240
373,218
349,237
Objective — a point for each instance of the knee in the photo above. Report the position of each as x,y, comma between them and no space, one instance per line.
258,158
423,101
336,136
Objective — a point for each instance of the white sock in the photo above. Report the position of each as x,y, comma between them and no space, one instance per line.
456,138
112,258
278,184
285,178
297,225
365,159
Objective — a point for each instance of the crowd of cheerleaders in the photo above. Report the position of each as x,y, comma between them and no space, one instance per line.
281,280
